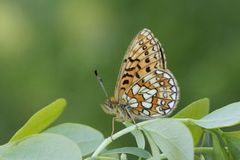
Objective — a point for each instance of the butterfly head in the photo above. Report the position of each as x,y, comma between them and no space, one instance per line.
112,107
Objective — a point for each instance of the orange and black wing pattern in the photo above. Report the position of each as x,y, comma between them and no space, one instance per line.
144,83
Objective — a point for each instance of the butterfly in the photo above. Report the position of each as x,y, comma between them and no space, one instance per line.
145,87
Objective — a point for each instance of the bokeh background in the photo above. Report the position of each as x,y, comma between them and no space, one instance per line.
49,49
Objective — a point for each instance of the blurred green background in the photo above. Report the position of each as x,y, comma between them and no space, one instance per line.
49,49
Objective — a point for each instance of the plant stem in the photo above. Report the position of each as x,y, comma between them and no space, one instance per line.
108,140
203,150
115,136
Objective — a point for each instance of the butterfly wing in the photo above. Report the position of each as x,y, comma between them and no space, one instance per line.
156,94
144,83
143,54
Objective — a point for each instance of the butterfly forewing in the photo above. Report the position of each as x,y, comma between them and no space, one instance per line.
144,83
143,55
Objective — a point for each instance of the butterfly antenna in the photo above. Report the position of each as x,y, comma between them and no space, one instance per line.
100,81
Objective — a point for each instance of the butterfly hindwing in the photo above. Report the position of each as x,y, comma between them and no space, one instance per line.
156,94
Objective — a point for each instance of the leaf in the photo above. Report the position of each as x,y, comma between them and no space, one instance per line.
223,117
139,137
103,158
40,120
195,110
155,150
200,157
172,137
233,143
219,151
3,148
130,150
87,138
45,146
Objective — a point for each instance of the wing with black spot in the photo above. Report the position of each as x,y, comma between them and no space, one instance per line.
143,56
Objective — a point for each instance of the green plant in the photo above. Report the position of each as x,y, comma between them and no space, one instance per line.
192,133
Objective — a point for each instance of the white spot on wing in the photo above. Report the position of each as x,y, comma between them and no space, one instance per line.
156,85
145,112
146,33
152,41
171,82
135,89
174,96
152,92
171,104
165,95
155,48
149,100
149,36
146,95
174,89
149,93
143,90
159,101
163,102
124,96
153,80
159,72
146,105
167,110
147,77
132,100
166,75
134,105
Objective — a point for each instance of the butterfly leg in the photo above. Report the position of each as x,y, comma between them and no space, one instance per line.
132,118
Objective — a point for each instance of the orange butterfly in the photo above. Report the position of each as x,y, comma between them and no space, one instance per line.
145,88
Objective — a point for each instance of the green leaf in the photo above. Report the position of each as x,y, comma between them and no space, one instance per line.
219,151
139,137
223,117
43,146
105,157
155,150
233,143
172,137
40,120
130,150
195,110
3,148
102,158
200,157
87,138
